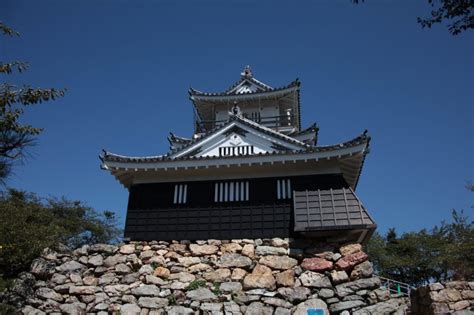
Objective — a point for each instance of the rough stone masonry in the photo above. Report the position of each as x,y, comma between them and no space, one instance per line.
269,276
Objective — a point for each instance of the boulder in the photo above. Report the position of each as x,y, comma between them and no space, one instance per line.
345,305
200,250
350,249
179,310
316,264
211,307
294,295
161,272
42,268
103,248
258,308
278,262
315,280
233,260
248,250
73,309
130,309
285,278
49,294
238,274
152,302
362,270
231,287
350,260
189,261
230,248
182,276
273,301
270,250
302,308
122,269
114,260
339,276
201,295
351,287
146,290
95,261
82,290
71,265
219,275
199,268
261,277
127,249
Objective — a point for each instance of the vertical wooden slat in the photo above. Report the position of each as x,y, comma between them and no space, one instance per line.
307,208
346,205
333,208
320,208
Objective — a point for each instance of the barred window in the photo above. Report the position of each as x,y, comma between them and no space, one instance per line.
180,193
231,191
284,189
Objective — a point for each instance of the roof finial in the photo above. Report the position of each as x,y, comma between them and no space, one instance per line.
247,72
236,110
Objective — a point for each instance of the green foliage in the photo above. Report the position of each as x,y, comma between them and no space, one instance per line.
154,265
16,136
458,12
28,224
172,300
196,284
6,309
441,254
216,289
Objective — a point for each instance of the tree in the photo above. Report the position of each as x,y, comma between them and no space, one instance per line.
441,254
28,224
15,136
457,13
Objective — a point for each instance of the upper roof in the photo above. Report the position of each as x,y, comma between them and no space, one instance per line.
246,85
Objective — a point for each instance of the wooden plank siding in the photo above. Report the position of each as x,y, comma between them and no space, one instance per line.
151,214
329,209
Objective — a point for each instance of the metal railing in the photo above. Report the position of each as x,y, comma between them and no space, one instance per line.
396,288
274,122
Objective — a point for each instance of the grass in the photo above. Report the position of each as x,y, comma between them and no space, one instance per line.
196,284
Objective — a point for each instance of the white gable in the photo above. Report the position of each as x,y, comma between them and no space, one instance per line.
246,86
237,139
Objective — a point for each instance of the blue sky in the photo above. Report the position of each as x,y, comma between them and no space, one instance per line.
127,66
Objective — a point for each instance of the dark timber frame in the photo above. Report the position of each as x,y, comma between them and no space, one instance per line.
152,215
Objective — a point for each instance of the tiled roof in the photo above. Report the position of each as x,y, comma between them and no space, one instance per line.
295,83
329,209
108,156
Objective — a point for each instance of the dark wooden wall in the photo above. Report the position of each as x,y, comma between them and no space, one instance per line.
151,214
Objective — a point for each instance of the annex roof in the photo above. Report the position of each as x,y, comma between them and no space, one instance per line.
322,210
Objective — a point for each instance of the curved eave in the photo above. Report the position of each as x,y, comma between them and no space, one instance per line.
195,95
350,159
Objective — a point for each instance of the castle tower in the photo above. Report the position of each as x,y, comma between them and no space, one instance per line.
248,171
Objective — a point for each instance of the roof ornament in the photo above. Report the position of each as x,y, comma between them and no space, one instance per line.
247,72
235,111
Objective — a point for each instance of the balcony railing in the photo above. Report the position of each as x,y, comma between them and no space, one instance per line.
274,122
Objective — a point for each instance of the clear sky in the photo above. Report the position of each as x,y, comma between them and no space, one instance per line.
127,66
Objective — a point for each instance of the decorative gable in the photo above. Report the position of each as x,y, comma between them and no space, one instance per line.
239,138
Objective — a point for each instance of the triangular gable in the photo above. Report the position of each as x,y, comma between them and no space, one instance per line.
240,137
247,85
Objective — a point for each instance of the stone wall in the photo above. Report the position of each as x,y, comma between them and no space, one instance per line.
271,276
437,298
